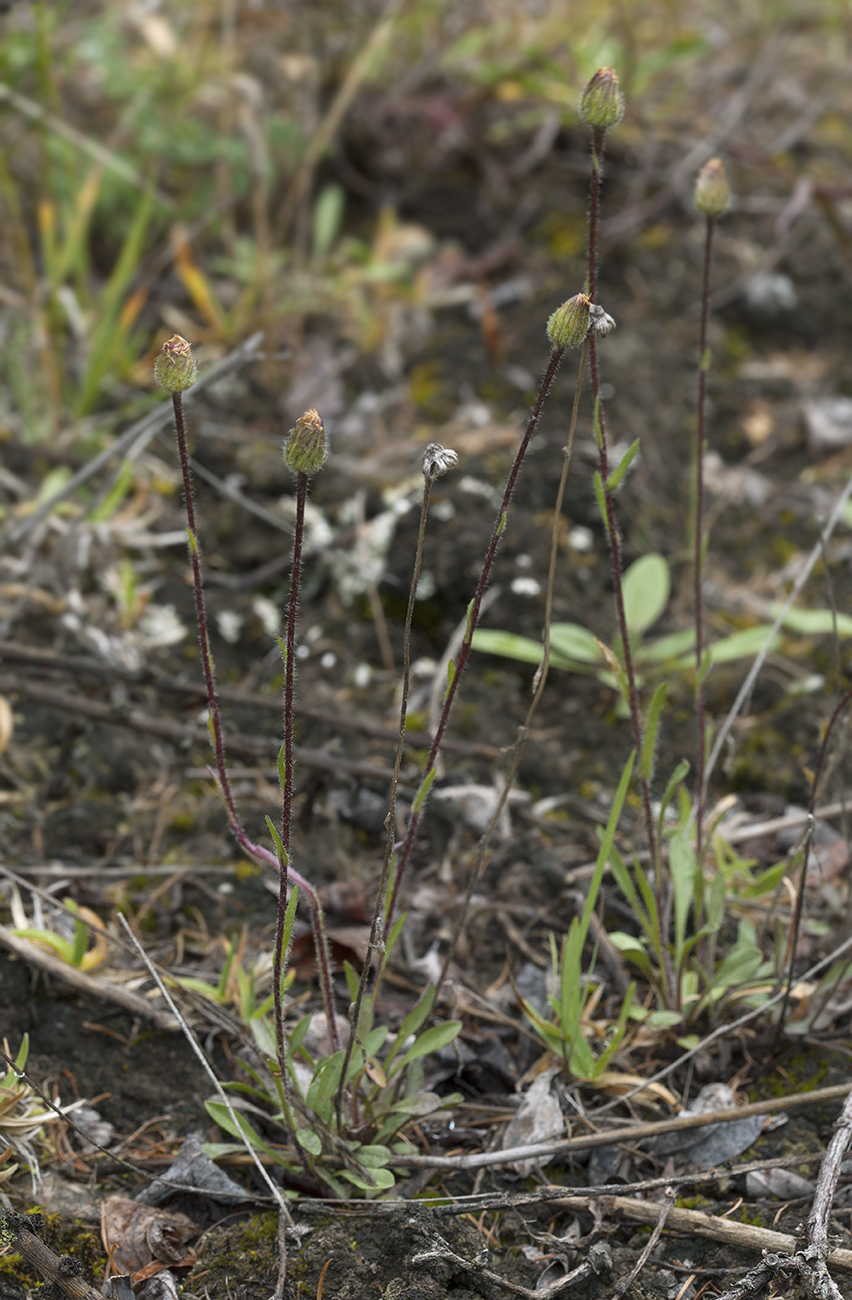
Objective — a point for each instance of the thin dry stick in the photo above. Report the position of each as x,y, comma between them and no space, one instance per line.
280,1200
667,1206
753,673
744,1235
817,1225
631,1133
472,619
440,1252
437,460
59,1271
540,682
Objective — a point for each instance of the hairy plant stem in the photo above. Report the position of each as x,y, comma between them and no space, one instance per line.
376,945
539,683
215,721
472,619
698,563
597,154
598,142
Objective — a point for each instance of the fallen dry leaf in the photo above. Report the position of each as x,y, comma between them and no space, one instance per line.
140,1239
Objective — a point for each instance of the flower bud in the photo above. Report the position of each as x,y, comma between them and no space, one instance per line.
305,449
569,324
602,103
712,195
174,368
437,460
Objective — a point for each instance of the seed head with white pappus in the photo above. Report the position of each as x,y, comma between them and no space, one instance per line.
438,460
602,103
569,324
712,195
305,449
174,369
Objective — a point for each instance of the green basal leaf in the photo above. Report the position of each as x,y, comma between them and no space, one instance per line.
309,1140
383,1180
410,1025
372,1157
218,1112
507,644
684,871
374,1040
328,218
431,1040
322,1088
264,1036
352,980
574,642
297,1037
647,584
813,622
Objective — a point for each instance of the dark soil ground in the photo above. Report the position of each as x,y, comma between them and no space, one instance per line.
106,805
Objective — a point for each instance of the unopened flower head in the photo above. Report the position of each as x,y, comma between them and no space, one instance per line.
600,321
602,103
712,195
305,449
437,460
569,324
174,368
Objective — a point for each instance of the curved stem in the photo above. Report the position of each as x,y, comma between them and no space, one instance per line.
215,720
472,619
539,683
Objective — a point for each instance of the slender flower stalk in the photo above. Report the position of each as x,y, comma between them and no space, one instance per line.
711,199
437,461
602,106
470,626
305,452
540,679
175,371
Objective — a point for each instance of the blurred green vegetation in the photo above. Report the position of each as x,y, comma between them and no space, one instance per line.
180,167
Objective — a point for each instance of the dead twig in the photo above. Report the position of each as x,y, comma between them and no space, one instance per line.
743,1235
598,1262
63,1272
631,1133
137,720
83,983
665,1209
